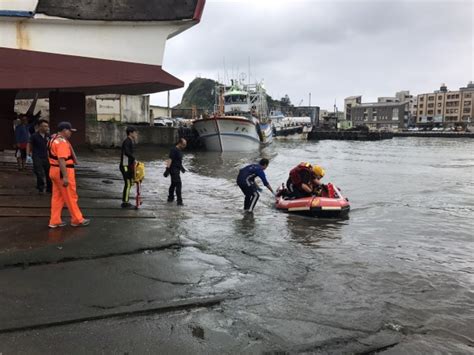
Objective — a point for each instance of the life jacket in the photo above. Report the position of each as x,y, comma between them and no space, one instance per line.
331,191
139,171
295,173
53,159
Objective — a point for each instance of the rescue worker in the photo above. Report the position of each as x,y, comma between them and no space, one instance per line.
246,182
128,169
318,174
62,160
303,180
174,168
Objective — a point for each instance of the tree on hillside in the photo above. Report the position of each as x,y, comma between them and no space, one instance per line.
285,101
200,93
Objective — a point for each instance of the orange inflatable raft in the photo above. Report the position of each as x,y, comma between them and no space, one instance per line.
331,203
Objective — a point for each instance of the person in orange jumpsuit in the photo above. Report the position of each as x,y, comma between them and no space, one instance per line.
62,160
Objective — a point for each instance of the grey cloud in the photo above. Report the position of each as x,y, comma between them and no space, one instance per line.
332,49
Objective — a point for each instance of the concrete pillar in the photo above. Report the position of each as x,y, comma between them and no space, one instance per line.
71,107
7,115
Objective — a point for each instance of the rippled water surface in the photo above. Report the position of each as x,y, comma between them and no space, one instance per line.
403,260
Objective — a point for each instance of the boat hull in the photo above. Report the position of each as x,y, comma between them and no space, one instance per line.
228,134
315,206
292,133
292,128
266,133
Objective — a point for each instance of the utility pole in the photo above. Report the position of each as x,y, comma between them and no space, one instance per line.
169,109
309,104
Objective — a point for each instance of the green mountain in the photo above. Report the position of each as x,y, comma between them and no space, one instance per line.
200,92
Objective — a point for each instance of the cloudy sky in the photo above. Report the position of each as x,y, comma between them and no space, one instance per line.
331,49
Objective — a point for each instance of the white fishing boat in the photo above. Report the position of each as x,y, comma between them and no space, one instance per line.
240,121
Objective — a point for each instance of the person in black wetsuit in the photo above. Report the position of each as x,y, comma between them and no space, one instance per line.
128,168
173,169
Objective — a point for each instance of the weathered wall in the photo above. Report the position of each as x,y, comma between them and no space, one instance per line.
132,109
108,134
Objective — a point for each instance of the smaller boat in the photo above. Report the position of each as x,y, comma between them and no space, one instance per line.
290,127
331,203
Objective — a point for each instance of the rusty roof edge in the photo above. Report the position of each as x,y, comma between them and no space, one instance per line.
16,13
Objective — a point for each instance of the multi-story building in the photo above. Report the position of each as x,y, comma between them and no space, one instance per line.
387,99
446,108
410,109
380,115
403,97
350,102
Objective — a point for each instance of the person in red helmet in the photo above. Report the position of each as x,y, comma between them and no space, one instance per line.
304,179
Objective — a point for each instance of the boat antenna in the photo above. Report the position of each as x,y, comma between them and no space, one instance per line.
225,73
249,70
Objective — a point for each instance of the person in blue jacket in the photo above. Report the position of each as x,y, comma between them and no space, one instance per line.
246,182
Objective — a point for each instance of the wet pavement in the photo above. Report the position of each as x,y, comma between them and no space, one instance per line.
396,277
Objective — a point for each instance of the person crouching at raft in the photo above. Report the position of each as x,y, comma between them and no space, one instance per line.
62,160
318,174
246,182
128,169
304,179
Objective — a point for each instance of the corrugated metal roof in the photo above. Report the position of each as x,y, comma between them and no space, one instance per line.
15,13
123,10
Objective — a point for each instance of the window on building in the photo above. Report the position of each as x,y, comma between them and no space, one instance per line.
430,112
440,97
421,105
439,111
468,95
466,110
430,105
439,104
467,103
395,114
431,98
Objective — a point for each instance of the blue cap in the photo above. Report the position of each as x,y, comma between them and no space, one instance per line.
65,125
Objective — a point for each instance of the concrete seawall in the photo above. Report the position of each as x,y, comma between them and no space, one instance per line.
435,134
107,134
349,135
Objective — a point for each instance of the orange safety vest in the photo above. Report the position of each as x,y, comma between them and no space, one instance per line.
54,143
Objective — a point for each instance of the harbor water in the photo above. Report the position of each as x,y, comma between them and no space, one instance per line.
402,263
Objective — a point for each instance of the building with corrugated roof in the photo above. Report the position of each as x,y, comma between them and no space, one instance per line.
66,49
